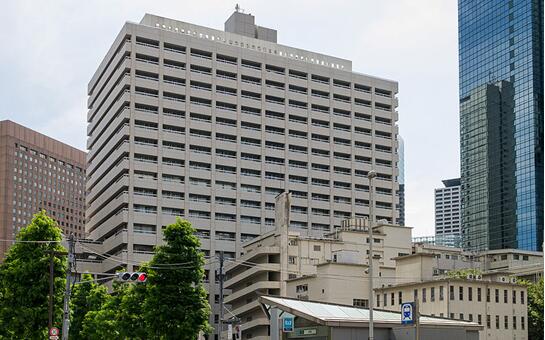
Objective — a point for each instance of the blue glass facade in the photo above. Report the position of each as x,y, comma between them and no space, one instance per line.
501,123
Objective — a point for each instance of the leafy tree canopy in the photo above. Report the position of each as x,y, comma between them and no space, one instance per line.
24,281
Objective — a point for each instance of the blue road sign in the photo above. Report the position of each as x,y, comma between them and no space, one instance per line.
287,324
407,313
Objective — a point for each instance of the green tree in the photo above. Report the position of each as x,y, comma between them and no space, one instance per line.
104,323
462,273
24,281
535,309
175,305
87,296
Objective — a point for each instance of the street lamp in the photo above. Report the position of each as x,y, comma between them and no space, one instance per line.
370,175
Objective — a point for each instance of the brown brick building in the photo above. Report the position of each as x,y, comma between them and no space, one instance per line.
38,172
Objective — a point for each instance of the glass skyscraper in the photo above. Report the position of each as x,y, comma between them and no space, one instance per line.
501,123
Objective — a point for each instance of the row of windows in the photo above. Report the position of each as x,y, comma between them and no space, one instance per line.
267,174
256,204
197,85
257,111
452,295
258,66
272,160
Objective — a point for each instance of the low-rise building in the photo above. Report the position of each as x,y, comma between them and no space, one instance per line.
500,305
313,320
289,263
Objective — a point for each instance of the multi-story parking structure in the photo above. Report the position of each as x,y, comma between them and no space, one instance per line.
209,125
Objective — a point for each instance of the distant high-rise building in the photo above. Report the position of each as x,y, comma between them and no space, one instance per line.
38,172
501,123
447,208
401,179
211,125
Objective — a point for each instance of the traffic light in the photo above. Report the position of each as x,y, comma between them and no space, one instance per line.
137,277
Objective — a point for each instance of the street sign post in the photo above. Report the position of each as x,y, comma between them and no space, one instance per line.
53,333
407,313
287,324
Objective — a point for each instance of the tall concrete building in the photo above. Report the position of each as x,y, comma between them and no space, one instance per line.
38,172
501,123
401,180
211,125
447,208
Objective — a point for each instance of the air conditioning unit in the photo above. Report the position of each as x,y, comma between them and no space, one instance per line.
513,280
478,277
503,279
470,277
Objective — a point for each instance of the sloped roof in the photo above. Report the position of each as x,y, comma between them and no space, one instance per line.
341,315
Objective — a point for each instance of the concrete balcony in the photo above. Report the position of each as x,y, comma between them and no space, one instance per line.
265,267
252,289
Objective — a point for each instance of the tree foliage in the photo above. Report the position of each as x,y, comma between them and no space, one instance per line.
87,296
24,281
176,306
535,309
172,304
463,273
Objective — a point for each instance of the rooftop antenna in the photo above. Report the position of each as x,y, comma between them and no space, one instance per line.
238,9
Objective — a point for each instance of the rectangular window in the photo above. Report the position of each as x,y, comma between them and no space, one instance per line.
470,293
415,293
505,296
461,293
470,317
497,291
451,292
522,325
506,322
514,296
488,321
479,294
400,297
497,322
479,319
441,293
423,294
385,300
514,322
392,301
487,294
522,297
378,300
432,294
360,303
461,316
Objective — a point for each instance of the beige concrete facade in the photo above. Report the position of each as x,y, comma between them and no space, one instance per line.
191,121
435,261
38,172
329,268
500,307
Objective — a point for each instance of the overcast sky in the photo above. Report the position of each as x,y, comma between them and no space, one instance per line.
50,49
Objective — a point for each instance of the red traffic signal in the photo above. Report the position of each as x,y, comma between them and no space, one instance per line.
138,277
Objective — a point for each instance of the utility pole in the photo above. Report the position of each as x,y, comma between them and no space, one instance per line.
52,255
68,290
221,294
417,320
370,175
51,287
